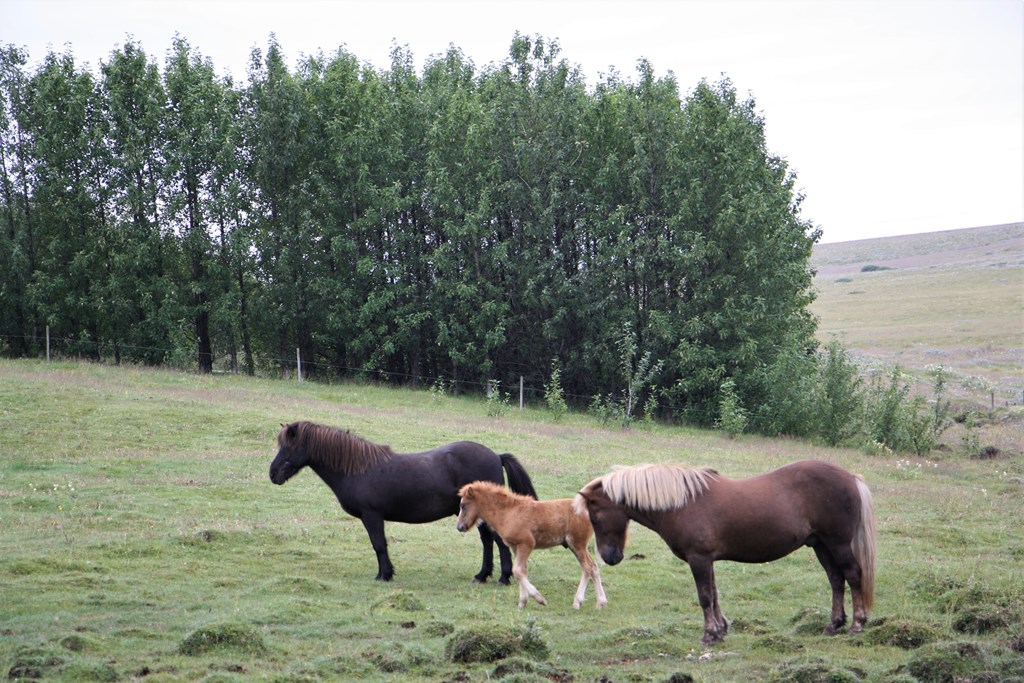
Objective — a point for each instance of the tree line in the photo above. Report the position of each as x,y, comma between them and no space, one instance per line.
472,224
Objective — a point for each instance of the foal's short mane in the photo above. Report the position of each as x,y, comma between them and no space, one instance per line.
337,450
655,487
493,490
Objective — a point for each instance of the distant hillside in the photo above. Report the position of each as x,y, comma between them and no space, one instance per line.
952,298
995,245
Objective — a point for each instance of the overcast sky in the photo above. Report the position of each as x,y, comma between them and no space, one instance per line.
898,116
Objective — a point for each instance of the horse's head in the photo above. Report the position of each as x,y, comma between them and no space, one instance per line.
468,514
291,454
610,522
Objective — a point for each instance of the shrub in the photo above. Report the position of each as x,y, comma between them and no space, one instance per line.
732,417
839,397
789,388
554,396
497,403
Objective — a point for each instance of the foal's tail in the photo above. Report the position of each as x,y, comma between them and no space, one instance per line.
518,480
864,544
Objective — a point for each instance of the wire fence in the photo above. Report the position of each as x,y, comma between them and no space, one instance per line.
69,347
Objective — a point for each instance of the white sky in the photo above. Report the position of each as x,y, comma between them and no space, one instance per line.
898,116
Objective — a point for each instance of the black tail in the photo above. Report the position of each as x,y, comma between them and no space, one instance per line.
518,480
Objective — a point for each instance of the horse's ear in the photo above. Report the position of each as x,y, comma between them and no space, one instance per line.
468,492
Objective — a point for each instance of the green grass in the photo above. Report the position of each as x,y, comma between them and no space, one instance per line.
142,539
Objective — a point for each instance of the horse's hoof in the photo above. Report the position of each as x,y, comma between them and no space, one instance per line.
504,581
601,605
710,639
477,579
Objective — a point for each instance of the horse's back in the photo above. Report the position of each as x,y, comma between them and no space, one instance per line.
770,515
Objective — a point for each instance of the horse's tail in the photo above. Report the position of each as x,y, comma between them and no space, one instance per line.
864,544
518,480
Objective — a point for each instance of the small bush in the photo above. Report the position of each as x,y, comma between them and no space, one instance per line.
224,636
498,403
732,417
872,268
491,643
554,397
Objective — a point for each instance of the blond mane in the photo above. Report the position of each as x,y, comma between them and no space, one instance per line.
335,449
654,487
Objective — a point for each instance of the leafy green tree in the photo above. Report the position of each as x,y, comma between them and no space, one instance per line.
194,98
746,284
17,243
141,305
279,143
65,219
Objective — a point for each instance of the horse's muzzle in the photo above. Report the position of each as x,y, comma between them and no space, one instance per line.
611,556
462,527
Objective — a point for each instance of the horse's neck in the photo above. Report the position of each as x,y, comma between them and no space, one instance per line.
648,518
495,511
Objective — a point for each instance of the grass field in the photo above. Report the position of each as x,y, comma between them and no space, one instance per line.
142,540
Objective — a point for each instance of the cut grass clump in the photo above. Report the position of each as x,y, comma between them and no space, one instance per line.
398,601
978,620
34,662
520,668
778,643
225,636
946,662
491,643
810,622
900,633
816,671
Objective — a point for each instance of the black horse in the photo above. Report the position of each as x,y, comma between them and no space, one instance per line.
375,484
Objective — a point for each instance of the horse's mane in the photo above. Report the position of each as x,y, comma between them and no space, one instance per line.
335,449
489,488
654,487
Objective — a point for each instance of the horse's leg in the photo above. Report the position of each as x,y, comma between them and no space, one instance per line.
505,559
375,528
704,576
526,589
849,569
487,540
723,623
590,571
581,590
837,582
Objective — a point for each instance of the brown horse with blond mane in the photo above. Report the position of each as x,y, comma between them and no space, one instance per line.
525,524
704,517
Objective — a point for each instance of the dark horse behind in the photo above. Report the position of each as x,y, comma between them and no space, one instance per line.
704,517
375,484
